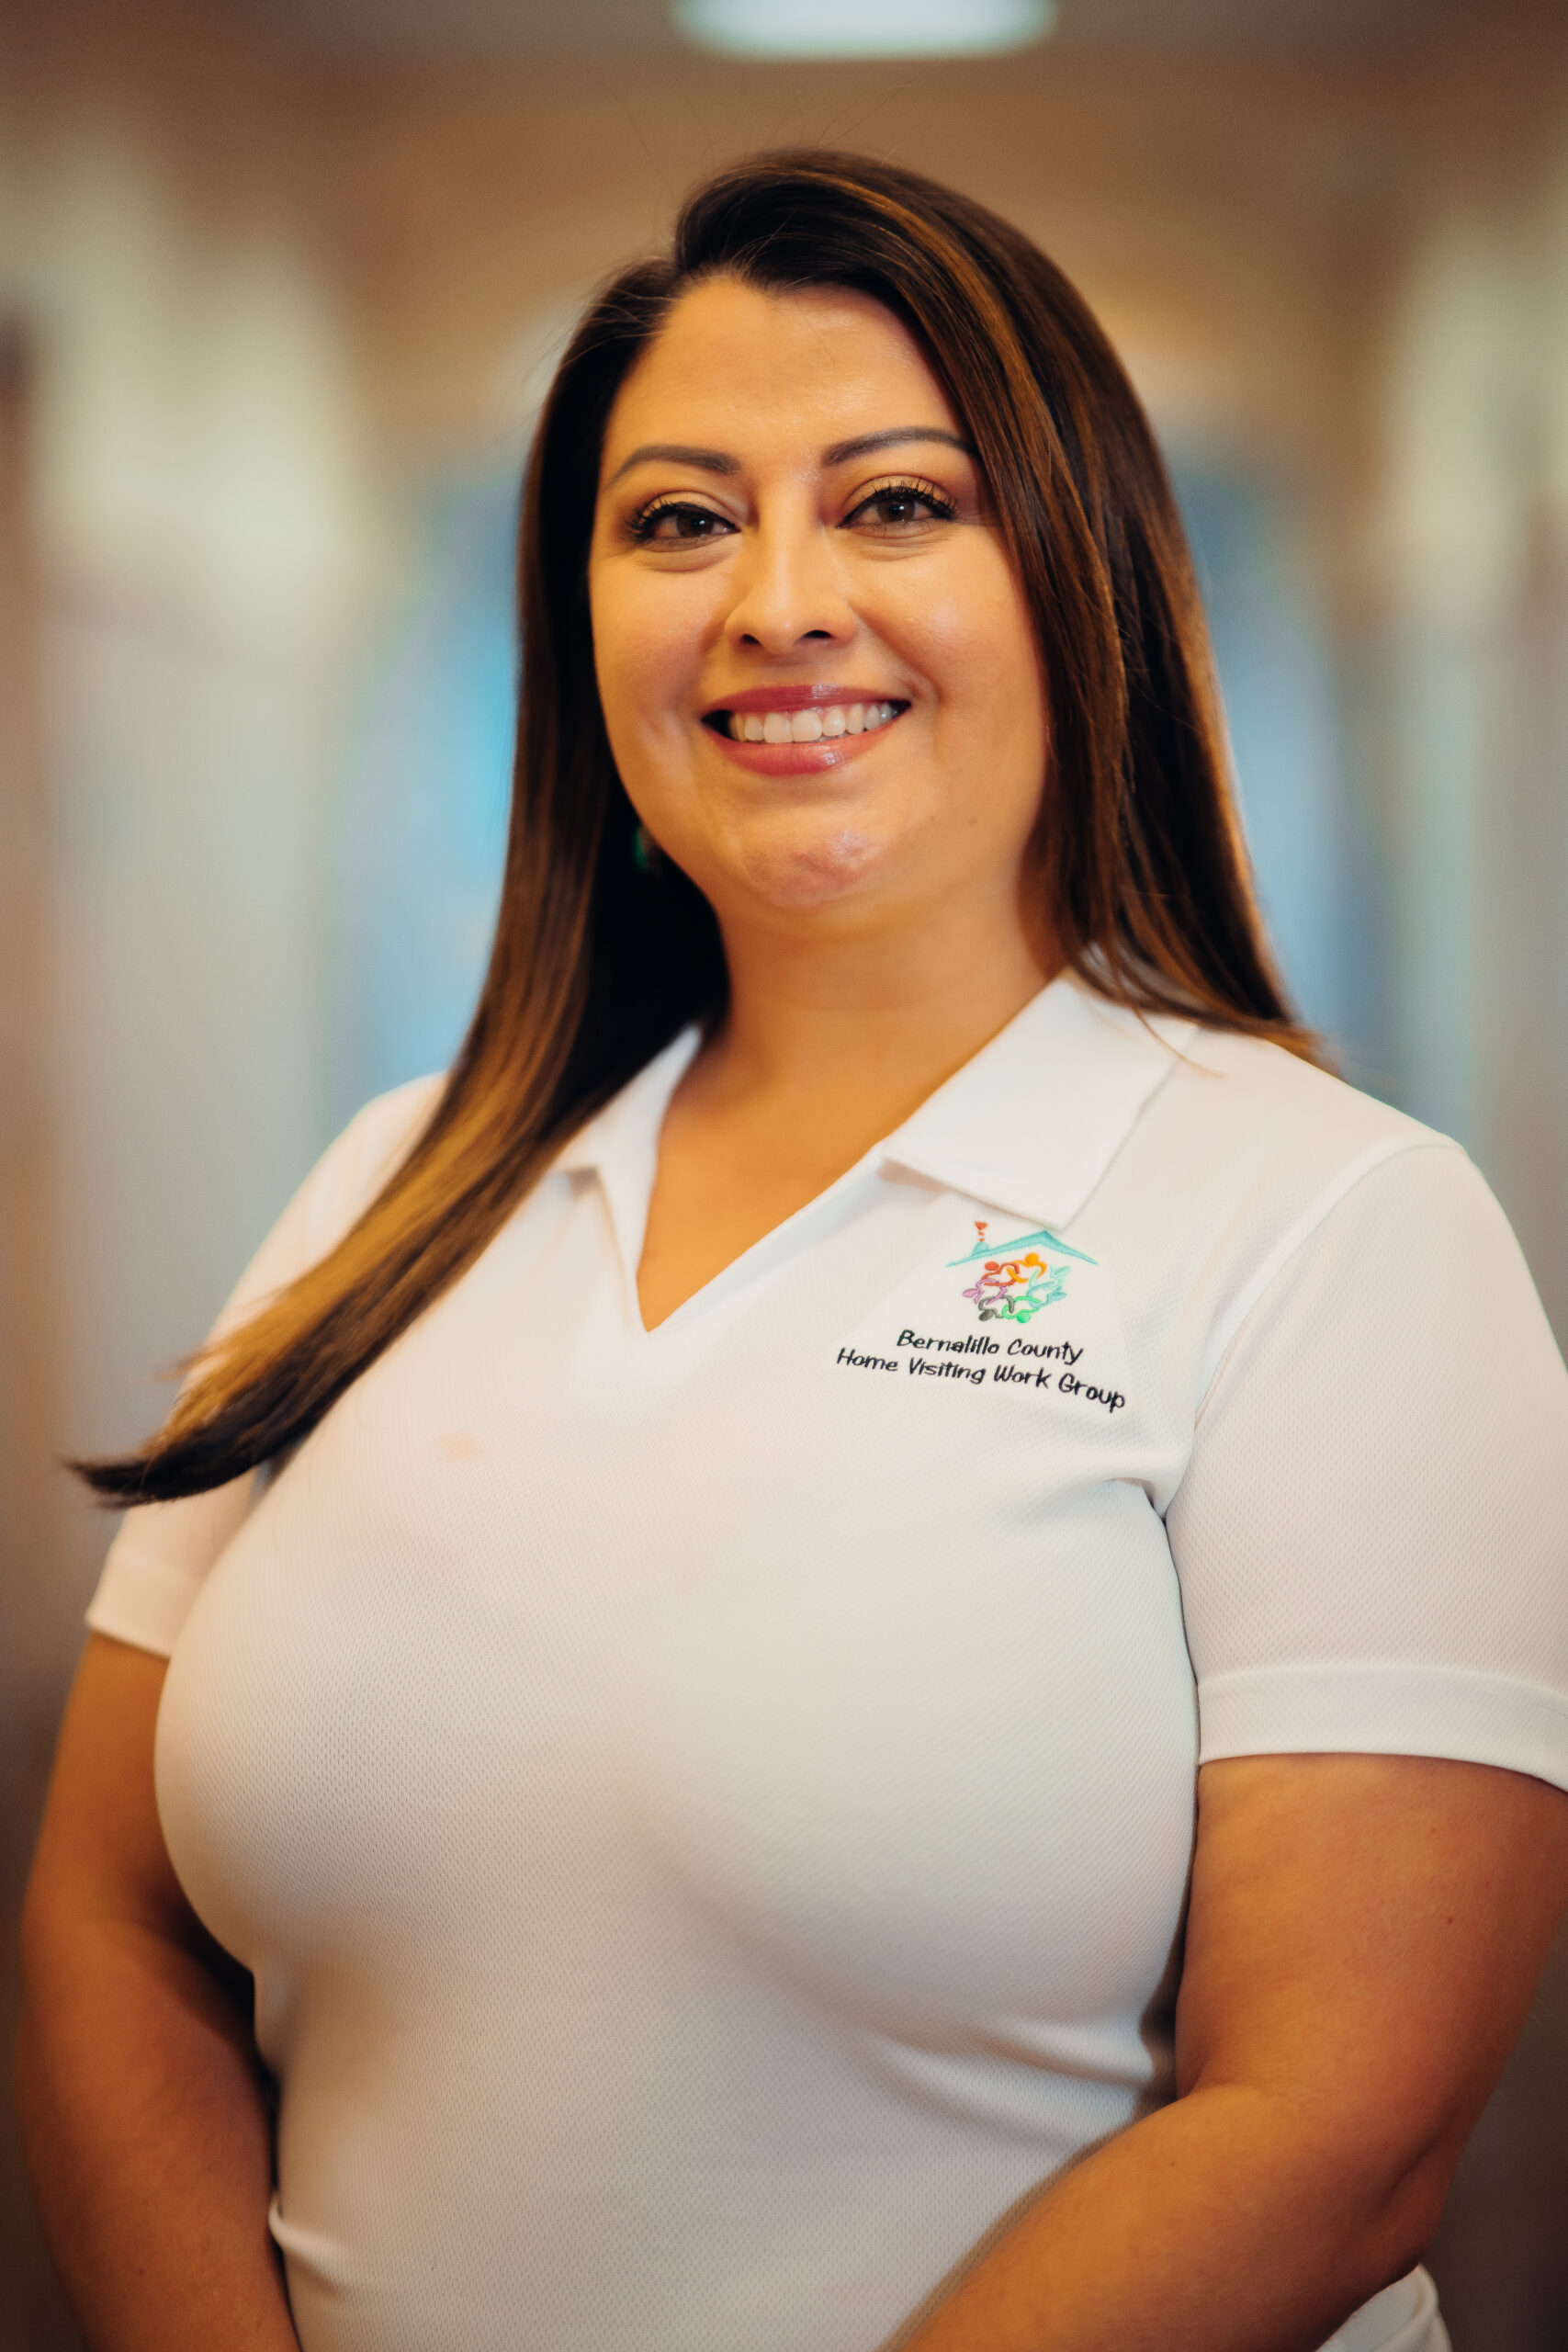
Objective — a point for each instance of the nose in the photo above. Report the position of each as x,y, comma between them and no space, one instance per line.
789,589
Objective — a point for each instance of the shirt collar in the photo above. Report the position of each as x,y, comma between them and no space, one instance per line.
629,1123
1029,1125
1033,1121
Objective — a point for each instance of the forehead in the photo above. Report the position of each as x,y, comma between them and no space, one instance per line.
764,375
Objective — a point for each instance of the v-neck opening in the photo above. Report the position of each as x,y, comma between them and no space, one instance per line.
868,1160
1033,1144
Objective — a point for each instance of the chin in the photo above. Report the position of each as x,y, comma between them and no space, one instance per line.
836,864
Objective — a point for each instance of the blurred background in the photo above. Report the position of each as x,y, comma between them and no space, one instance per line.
280,284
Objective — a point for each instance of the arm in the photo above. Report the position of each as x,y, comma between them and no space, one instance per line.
1365,1935
142,2102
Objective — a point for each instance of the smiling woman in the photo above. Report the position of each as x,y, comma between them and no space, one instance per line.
650,1771
823,693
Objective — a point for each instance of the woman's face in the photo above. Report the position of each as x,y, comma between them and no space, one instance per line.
820,680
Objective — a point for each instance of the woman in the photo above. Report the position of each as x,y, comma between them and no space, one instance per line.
689,1561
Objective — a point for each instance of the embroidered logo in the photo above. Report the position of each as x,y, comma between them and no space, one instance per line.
1015,1281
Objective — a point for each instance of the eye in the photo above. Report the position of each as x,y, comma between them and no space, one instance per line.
677,522
897,506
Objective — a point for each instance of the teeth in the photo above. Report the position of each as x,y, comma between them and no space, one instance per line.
810,726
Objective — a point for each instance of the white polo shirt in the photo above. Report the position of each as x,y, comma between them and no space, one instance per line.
708,1810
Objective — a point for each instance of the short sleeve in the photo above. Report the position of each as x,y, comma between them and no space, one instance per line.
162,1551
1371,1536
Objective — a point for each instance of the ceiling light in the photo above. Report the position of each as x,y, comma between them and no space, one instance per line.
863,28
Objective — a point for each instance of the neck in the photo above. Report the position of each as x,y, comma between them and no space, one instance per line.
880,1017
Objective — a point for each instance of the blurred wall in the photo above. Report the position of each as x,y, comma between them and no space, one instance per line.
277,313
187,544
1474,579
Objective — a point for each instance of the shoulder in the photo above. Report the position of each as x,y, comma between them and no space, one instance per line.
384,1130
388,1125
352,1169
1247,1160
1249,1135
334,1195
1234,1085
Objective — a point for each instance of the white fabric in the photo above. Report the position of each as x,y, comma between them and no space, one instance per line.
708,1811
1403,2318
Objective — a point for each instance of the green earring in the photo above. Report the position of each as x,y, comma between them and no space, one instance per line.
644,850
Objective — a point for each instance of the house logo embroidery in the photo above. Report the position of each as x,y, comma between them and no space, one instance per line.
1015,1281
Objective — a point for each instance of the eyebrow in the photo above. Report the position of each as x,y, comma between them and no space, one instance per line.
838,453
865,444
679,453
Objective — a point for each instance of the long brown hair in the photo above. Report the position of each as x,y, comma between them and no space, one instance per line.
597,965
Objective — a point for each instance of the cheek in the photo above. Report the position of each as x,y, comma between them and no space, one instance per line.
978,647
973,639
626,655
645,655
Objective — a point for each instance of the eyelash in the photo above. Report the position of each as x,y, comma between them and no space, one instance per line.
642,523
912,486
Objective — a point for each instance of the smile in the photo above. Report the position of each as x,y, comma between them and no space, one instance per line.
823,723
